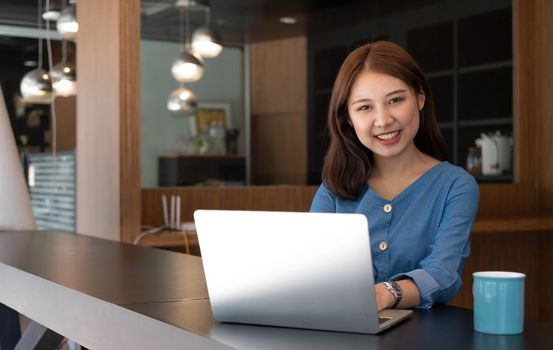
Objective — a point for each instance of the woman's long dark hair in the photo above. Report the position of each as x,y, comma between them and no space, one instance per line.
348,163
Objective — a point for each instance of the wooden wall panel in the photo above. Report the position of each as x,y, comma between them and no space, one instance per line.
507,200
279,76
545,278
533,54
542,56
66,123
129,114
279,111
278,149
279,198
108,193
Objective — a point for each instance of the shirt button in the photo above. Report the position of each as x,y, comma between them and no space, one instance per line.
388,208
383,245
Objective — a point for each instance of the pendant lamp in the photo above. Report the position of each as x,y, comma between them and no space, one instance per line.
206,42
36,85
67,24
64,79
64,76
52,13
182,102
188,67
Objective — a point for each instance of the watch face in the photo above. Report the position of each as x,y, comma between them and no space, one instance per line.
398,289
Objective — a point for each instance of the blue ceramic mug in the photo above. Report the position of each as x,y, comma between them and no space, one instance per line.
498,302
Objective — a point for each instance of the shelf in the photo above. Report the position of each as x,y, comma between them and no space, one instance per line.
486,122
432,46
486,93
518,225
440,74
493,178
486,67
485,37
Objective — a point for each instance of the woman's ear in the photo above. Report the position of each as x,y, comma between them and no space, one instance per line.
421,98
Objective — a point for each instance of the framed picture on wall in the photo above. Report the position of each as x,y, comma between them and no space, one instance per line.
210,112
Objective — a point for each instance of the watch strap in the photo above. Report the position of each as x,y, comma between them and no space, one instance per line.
395,289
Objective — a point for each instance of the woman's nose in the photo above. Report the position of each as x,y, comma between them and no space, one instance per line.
383,118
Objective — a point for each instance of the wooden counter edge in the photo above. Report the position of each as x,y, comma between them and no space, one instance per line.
526,224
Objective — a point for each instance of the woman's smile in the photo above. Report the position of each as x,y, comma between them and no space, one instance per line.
389,138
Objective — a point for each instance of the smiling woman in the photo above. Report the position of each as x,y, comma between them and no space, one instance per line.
386,161
379,90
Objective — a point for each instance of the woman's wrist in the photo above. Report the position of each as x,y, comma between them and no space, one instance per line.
384,299
396,291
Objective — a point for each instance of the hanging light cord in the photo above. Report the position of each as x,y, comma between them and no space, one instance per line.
187,26
181,27
207,17
64,51
39,36
64,42
52,114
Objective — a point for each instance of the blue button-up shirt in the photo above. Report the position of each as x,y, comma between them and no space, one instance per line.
422,234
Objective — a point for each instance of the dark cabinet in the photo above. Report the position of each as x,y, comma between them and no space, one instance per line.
465,51
188,169
468,62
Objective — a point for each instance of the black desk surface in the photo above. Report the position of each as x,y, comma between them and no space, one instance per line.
106,294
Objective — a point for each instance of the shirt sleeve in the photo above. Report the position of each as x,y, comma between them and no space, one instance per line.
438,277
323,201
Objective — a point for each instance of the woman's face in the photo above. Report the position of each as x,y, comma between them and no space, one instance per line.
384,111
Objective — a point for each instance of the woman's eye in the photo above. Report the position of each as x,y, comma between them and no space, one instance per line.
364,108
396,100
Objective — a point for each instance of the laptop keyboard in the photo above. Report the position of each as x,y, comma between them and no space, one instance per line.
381,320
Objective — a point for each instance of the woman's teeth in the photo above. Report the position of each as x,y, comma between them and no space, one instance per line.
387,136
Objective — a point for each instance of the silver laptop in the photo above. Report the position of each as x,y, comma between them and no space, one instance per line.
301,270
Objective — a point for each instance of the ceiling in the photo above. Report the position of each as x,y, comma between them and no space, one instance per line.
238,21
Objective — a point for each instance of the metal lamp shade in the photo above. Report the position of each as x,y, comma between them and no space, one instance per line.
67,24
64,79
188,67
206,43
182,102
36,87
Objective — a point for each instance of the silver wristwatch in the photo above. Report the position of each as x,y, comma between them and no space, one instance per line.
395,289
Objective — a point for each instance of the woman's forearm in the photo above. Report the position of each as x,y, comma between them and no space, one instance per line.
385,299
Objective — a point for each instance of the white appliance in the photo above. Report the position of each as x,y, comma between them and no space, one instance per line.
504,149
496,153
